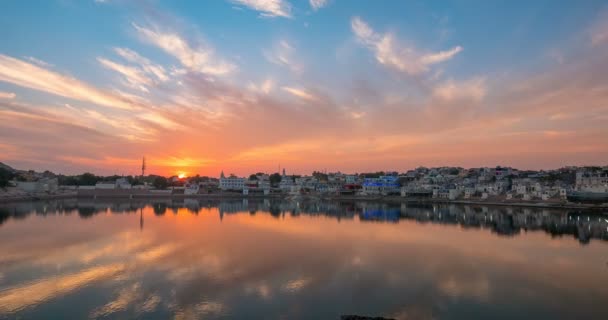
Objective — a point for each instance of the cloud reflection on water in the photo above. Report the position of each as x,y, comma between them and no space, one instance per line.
226,261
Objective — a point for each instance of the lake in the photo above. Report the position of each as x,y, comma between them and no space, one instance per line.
272,259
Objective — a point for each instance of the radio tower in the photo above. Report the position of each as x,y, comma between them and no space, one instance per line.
143,167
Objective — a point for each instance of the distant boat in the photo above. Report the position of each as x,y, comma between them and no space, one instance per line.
587,196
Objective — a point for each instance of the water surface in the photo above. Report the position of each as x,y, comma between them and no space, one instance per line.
193,259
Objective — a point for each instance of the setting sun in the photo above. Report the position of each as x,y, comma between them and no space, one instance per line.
181,175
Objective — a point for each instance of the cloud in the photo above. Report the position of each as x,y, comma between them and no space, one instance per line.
441,56
283,55
599,37
157,70
391,54
38,62
141,76
357,115
7,95
31,76
386,122
68,128
126,297
24,295
300,93
134,77
476,288
265,87
599,30
160,120
473,89
197,59
317,4
268,8
296,285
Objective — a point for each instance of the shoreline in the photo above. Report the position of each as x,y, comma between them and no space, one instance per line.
531,204
385,199
549,205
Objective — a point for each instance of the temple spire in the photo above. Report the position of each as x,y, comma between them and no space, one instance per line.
143,166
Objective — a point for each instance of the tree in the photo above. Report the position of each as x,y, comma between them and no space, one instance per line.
110,178
68,180
88,179
5,177
253,177
275,178
320,176
160,183
133,180
160,209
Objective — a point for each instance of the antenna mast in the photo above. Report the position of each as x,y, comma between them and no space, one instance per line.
143,167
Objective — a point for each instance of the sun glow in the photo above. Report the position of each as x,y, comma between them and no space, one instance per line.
181,175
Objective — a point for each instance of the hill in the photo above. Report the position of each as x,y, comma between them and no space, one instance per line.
7,167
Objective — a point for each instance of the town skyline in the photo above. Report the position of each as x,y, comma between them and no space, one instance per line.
227,172
246,85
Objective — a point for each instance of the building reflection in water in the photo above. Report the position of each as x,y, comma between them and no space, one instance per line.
255,258
507,221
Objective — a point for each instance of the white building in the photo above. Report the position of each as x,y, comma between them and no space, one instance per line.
231,183
191,188
307,182
592,182
123,183
47,185
350,179
286,182
105,185
120,183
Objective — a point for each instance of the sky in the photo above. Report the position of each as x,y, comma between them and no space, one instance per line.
245,86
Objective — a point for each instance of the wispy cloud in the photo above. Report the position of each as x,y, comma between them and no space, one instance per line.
31,76
391,54
317,4
157,70
38,61
24,295
139,76
433,58
265,87
268,8
7,95
283,54
196,58
388,121
473,89
160,120
134,77
300,93
599,31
